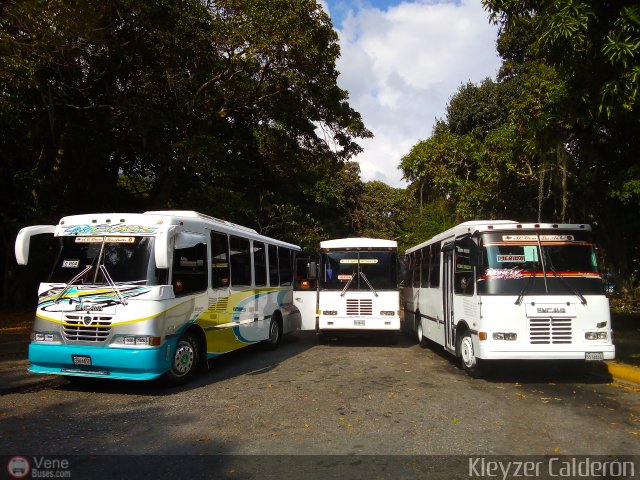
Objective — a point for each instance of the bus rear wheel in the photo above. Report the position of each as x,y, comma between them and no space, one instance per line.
470,362
185,361
275,334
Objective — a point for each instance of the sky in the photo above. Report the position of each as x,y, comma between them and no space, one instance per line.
401,62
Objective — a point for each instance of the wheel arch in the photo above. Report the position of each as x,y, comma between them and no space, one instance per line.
461,327
197,331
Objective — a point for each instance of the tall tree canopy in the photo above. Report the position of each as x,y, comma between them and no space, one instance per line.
230,107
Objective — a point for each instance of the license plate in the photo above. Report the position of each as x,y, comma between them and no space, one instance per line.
83,360
594,356
358,323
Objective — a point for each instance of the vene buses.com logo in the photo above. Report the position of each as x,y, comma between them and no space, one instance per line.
18,467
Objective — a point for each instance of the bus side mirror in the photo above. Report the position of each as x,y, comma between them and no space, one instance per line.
162,247
476,256
23,240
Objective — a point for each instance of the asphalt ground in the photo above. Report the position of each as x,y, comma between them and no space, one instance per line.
14,376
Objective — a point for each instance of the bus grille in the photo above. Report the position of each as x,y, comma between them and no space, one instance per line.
76,328
357,306
544,331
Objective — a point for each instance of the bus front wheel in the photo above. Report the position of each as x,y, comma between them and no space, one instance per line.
185,360
468,358
421,338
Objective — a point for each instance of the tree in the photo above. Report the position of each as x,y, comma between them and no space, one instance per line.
381,211
595,49
213,106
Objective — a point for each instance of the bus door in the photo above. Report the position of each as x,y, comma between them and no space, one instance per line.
305,288
447,295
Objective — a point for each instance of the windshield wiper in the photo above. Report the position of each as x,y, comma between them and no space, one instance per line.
110,281
344,290
526,286
366,280
71,282
568,285
544,268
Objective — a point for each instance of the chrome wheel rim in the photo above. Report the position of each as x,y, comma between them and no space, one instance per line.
183,359
466,350
420,332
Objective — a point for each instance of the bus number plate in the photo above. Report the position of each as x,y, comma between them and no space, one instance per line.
358,323
83,360
594,356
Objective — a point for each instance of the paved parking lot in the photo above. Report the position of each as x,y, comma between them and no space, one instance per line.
351,396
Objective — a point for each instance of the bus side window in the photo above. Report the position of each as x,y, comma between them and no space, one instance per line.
190,269
424,267
219,260
464,284
260,263
274,279
284,265
434,265
240,261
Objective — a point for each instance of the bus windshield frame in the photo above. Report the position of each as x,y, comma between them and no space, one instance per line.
377,267
127,260
538,263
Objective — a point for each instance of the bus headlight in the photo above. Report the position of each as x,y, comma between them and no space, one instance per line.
48,337
329,312
141,340
387,312
596,335
505,336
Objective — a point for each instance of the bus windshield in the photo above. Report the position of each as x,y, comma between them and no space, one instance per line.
127,260
552,267
358,267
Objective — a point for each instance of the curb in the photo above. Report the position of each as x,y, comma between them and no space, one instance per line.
624,372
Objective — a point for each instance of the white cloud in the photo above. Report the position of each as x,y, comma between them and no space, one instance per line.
402,65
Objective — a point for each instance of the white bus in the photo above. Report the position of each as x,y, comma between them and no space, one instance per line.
499,290
358,287
140,296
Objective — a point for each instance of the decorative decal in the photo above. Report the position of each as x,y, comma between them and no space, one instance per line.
534,238
504,273
86,297
108,229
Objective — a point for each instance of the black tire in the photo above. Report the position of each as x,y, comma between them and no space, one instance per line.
275,334
185,362
471,364
422,340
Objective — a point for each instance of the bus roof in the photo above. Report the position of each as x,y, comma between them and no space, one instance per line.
149,223
480,226
359,242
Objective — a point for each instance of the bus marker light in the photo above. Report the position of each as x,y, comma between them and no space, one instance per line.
482,335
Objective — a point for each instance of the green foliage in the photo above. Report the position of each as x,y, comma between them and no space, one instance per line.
380,212
211,106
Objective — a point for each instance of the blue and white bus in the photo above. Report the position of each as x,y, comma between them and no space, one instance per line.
141,296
